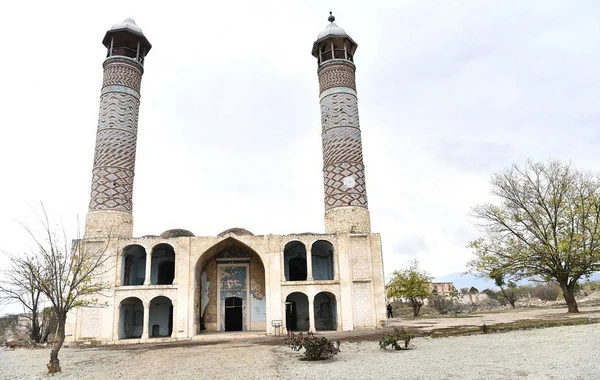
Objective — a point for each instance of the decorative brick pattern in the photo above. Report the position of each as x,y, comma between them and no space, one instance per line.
337,75
343,169
122,72
342,151
337,194
119,111
114,158
115,149
339,110
342,145
112,189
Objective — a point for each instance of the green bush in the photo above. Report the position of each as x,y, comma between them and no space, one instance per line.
392,340
316,348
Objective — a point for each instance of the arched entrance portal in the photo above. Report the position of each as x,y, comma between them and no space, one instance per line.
230,289
296,312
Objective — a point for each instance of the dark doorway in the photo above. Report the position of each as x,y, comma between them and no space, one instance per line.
233,314
291,316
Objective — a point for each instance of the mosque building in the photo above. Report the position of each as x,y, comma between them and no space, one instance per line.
178,285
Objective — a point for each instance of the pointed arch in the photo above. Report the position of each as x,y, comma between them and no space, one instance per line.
229,270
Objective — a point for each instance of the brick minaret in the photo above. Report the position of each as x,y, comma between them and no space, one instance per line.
346,208
110,207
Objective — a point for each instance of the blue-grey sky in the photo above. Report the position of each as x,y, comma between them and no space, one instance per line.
229,127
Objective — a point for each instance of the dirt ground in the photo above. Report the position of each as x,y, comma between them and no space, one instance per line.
565,352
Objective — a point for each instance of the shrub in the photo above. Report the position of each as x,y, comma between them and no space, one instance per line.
392,340
441,304
315,348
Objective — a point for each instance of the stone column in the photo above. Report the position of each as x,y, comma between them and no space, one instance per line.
311,313
309,273
147,280
146,320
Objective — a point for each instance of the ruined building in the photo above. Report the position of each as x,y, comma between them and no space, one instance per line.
178,285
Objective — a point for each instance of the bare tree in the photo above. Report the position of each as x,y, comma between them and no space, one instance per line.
19,285
68,274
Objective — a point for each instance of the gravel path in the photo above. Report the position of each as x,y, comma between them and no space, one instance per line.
569,352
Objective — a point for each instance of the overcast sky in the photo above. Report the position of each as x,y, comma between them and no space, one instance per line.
229,128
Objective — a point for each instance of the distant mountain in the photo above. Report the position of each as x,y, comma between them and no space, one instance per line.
461,280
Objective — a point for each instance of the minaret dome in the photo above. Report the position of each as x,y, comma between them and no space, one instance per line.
126,40
333,43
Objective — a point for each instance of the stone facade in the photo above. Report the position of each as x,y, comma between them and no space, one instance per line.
201,286
178,285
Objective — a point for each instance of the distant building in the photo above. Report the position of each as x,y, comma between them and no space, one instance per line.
176,285
442,288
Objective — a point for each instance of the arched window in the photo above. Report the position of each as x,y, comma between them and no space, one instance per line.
322,260
162,271
294,256
134,265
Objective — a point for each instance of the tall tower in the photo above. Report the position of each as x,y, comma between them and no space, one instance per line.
346,209
110,210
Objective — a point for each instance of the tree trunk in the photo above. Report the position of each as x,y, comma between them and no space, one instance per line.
36,333
510,300
416,305
54,364
568,290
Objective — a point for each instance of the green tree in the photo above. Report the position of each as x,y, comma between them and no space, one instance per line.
410,283
545,227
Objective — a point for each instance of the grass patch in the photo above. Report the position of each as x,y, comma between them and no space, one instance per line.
525,324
